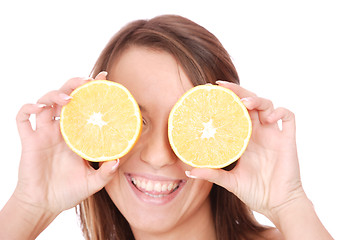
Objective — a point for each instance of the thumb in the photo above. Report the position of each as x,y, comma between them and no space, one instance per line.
100,177
220,177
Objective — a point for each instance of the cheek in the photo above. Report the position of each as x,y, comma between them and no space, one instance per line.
116,189
200,192
195,195
118,186
203,187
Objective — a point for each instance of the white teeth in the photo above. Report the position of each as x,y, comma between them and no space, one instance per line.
149,186
157,187
134,180
155,196
154,186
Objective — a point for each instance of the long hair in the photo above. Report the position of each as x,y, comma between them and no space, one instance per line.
204,60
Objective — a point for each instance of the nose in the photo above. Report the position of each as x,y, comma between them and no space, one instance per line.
157,151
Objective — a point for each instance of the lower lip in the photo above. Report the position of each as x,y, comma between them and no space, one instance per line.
155,200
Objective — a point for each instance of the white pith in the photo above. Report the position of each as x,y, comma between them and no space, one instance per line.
209,130
96,119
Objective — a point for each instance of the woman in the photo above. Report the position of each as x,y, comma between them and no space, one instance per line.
158,60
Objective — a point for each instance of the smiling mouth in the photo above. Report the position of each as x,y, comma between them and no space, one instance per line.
155,189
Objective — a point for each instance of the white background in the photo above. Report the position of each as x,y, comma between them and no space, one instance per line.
304,55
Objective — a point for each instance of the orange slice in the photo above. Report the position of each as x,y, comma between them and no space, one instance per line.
102,121
209,127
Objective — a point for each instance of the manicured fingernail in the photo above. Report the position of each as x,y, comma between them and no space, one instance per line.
116,165
188,174
222,82
105,73
245,99
65,96
39,105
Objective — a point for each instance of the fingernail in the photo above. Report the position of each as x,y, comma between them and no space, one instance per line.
41,105
116,165
222,82
245,99
188,174
105,73
65,96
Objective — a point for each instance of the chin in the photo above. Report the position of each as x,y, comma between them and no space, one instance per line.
158,204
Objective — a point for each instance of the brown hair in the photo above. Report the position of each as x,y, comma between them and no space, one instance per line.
204,60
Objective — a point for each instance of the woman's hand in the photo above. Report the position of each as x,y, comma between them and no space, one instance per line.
51,176
267,176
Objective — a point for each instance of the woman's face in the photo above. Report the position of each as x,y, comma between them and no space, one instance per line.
151,189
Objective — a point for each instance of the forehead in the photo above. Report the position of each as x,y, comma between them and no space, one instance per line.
152,76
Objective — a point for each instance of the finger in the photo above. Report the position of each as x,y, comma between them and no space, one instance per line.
236,88
53,100
55,97
287,120
100,177
220,177
101,76
264,106
74,83
22,119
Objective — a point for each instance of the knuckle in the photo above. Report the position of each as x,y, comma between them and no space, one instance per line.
19,116
48,96
269,103
74,79
73,83
289,115
263,103
23,112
